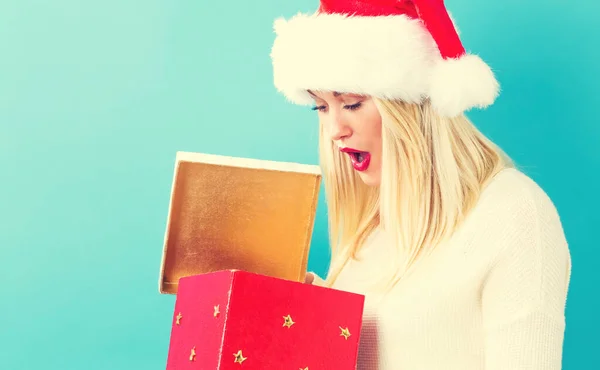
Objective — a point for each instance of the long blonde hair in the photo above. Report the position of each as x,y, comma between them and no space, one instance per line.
433,171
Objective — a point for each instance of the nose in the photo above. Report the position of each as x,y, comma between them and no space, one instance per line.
338,127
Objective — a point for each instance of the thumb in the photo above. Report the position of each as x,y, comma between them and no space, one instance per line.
313,279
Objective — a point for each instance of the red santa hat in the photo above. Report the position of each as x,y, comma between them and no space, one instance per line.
394,49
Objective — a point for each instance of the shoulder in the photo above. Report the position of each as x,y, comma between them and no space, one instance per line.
515,218
523,222
516,199
511,183
524,238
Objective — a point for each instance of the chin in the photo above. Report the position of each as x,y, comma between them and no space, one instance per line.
370,179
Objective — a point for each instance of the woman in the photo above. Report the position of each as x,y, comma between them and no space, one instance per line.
461,257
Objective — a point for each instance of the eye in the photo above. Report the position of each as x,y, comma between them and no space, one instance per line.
353,106
319,108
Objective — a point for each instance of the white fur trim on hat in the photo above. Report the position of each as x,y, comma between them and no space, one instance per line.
391,57
460,84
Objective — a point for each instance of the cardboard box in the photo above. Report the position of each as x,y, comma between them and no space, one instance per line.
238,213
239,320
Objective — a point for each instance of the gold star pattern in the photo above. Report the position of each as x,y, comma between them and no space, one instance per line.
288,321
178,322
306,368
239,358
193,354
345,332
217,311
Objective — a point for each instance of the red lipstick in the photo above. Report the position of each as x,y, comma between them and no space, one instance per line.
360,160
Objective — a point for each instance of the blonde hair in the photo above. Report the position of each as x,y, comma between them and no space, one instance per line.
433,171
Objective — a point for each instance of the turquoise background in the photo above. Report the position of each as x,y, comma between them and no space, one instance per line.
97,96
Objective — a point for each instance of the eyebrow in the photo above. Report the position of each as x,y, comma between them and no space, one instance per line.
335,93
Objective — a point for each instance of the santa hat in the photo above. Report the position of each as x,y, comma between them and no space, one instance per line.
392,49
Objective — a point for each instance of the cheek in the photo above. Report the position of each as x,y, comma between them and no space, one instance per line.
372,126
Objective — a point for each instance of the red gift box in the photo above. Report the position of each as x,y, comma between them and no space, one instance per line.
240,320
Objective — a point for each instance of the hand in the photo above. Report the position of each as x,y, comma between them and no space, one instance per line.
313,279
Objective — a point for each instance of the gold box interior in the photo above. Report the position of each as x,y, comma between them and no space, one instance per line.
238,213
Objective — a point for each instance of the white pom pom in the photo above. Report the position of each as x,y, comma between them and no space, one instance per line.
279,25
460,84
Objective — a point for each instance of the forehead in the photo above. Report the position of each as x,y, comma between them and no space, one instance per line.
331,94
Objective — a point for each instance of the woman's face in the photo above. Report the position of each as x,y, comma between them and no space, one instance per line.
353,123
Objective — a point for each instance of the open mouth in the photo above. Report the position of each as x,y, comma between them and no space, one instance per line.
358,156
360,160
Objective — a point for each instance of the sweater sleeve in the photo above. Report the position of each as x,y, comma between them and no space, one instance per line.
524,294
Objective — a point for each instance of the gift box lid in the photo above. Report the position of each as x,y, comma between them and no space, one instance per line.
238,213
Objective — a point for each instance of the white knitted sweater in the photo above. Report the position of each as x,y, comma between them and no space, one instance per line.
492,298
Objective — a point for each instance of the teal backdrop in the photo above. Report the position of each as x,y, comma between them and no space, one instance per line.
97,96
